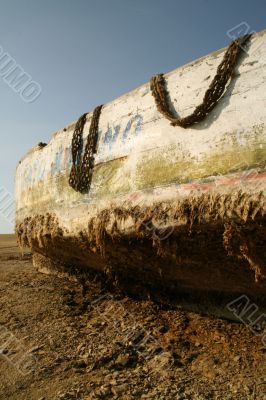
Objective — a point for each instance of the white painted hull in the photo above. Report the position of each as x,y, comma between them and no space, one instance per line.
158,191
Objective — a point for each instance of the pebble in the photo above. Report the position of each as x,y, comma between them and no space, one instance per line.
120,390
123,360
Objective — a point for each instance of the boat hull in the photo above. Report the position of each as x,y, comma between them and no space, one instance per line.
168,208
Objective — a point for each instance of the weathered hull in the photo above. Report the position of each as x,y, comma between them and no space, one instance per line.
169,208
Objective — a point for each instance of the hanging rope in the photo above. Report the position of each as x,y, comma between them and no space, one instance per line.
224,73
82,168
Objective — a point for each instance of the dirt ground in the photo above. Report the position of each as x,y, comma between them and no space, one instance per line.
58,341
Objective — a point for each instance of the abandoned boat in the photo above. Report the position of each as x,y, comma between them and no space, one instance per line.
159,187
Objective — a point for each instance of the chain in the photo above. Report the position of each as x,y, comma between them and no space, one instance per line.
82,168
224,72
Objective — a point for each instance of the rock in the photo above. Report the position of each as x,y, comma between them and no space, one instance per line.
80,346
120,389
124,360
105,390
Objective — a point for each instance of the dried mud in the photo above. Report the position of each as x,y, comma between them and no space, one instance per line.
84,343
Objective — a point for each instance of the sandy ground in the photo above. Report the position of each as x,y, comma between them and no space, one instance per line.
58,342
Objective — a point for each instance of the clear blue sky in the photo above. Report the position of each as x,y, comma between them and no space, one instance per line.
87,52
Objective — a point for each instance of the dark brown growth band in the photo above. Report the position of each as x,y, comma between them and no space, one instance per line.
210,242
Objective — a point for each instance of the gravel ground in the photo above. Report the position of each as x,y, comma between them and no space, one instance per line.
59,342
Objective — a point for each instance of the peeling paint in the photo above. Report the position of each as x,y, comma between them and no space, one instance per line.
207,183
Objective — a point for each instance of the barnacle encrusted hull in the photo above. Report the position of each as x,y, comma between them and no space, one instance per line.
167,207
208,241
